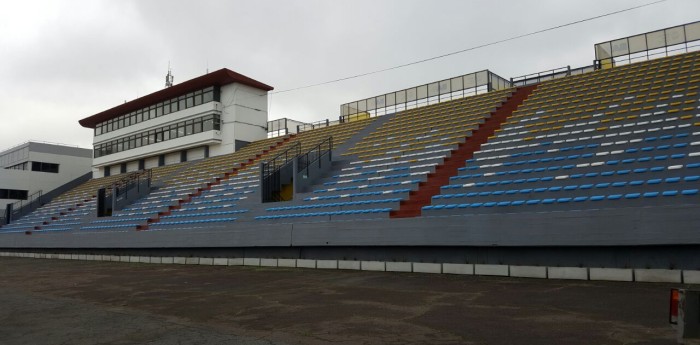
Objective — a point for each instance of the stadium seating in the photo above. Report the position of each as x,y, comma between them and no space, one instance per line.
388,164
624,137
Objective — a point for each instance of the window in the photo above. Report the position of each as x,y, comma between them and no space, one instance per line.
180,129
192,99
45,167
14,194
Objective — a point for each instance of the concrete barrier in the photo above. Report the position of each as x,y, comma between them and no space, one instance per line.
348,265
528,272
372,266
235,262
268,262
168,260
657,275
286,263
612,274
491,270
192,261
306,263
425,267
251,261
691,277
399,267
156,260
327,264
220,262
206,261
179,260
145,259
574,273
458,269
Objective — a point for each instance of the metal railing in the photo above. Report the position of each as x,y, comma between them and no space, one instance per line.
123,186
271,172
22,207
314,155
646,55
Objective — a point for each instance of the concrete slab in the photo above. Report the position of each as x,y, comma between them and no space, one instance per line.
74,256
426,267
235,262
491,270
251,262
82,257
399,266
286,262
145,259
528,271
306,263
64,256
90,257
373,265
179,260
220,262
192,261
458,269
691,277
167,260
206,261
134,259
348,265
611,274
268,262
156,260
327,264
124,258
574,273
657,275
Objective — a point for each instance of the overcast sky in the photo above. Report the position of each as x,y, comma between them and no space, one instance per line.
61,61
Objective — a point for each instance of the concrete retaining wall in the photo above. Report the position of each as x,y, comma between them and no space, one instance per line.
542,272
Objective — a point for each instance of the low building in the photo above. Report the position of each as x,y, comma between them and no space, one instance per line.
33,167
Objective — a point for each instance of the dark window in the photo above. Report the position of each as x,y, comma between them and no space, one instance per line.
14,194
45,167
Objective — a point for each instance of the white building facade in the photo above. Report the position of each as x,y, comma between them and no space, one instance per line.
33,167
215,114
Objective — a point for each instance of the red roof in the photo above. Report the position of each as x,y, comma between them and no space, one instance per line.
221,77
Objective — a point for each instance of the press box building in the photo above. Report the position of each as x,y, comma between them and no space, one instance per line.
211,115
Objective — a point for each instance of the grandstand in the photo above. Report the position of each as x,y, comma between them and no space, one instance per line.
598,169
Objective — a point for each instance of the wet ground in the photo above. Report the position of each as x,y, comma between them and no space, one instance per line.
85,302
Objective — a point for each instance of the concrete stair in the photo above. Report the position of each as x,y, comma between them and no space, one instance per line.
426,190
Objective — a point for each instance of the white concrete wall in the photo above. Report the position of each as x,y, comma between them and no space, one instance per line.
132,166
151,162
195,153
239,118
69,168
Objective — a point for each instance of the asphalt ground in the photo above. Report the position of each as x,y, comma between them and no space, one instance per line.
86,302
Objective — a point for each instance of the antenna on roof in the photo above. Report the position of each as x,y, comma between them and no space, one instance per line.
169,77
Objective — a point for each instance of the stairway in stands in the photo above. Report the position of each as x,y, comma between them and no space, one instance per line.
421,197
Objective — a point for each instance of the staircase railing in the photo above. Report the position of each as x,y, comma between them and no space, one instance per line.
122,192
21,208
314,155
271,171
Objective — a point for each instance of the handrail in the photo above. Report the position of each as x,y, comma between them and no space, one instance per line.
122,185
308,158
270,166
